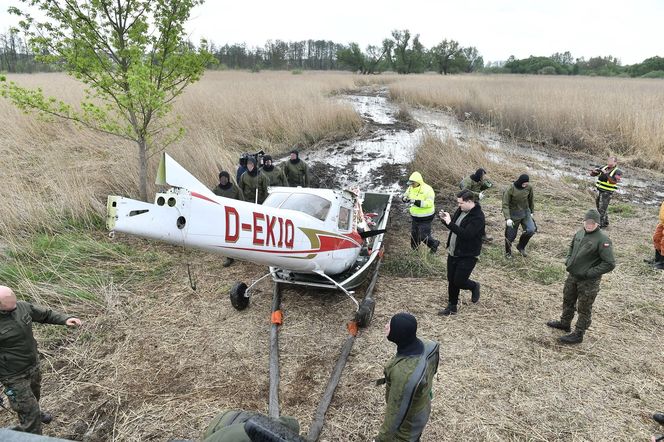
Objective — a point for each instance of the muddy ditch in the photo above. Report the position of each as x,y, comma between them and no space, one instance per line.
379,157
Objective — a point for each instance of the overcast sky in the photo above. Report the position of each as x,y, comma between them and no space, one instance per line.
631,30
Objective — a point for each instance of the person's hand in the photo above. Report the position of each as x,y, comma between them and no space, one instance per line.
418,203
481,195
447,218
509,223
73,322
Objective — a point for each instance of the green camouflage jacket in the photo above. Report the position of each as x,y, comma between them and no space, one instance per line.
408,394
590,255
18,348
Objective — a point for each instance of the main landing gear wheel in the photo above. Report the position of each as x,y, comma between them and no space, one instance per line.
365,313
239,299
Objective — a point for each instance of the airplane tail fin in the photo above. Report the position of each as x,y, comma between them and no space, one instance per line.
170,173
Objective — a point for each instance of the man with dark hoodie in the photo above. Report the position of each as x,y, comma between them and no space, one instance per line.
296,170
253,184
464,245
518,209
409,381
227,189
275,175
590,256
477,183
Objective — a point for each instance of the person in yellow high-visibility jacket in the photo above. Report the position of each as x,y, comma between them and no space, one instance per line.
420,197
606,183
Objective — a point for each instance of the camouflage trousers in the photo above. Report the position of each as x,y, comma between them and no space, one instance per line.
23,392
602,202
579,295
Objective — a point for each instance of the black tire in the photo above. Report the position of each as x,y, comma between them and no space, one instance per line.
365,314
239,300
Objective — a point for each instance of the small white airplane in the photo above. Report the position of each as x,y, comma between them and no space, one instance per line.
313,237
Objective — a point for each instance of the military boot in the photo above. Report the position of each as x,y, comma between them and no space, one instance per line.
475,293
576,337
45,417
659,261
451,309
559,325
508,249
523,242
659,418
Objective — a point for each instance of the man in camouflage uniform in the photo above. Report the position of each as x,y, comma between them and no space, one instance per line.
607,181
227,189
296,170
19,359
275,175
251,182
409,378
518,209
246,426
478,183
590,256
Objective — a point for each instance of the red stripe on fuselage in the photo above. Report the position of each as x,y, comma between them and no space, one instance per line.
203,197
327,244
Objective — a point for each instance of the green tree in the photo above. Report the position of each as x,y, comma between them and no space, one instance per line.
444,54
352,58
132,55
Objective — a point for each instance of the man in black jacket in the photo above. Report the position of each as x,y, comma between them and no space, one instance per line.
464,245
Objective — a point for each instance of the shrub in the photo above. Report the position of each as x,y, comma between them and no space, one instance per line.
653,74
547,70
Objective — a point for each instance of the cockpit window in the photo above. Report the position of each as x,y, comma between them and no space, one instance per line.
344,218
275,199
313,205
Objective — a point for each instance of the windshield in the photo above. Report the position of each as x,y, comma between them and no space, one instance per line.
313,205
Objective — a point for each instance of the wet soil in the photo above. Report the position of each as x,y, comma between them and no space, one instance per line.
380,155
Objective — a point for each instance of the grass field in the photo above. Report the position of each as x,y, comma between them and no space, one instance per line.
601,115
157,360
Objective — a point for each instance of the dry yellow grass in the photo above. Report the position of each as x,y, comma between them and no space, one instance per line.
603,115
155,360
58,170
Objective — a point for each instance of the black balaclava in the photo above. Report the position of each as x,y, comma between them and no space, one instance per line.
228,184
403,332
522,179
297,156
253,161
478,175
267,168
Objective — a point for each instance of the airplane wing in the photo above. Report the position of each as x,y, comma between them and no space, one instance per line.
172,174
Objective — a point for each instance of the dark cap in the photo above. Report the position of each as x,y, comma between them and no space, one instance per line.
224,173
267,158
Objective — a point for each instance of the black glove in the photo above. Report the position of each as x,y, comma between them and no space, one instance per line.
418,203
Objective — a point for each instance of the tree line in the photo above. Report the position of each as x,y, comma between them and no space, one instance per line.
402,52
565,64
